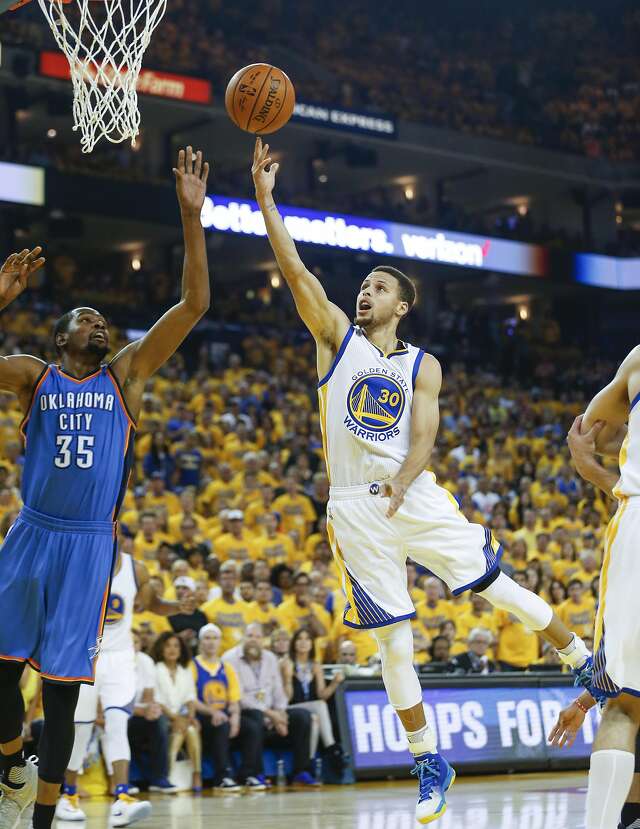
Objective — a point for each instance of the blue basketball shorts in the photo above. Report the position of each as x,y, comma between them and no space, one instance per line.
55,577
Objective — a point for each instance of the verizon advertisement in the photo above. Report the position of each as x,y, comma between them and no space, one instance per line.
150,82
355,233
479,726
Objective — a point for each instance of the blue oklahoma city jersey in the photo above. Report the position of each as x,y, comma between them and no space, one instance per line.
79,446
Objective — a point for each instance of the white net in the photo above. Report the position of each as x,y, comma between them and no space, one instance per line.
104,41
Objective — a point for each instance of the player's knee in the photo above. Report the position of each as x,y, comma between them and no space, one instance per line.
396,644
528,607
116,741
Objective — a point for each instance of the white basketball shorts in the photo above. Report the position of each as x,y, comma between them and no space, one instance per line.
371,550
115,686
616,664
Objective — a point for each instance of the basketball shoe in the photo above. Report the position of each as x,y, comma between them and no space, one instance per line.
68,808
15,801
127,810
435,778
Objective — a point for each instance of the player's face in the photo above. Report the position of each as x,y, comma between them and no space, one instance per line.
378,301
88,333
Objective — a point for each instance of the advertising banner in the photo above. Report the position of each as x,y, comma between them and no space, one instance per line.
476,725
21,184
150,82
382,126
607,272
341,231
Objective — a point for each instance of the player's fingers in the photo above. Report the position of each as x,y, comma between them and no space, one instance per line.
9,261
35,252
572,738
181,158
257,149
205,172
37,264
197,167
275,167
595,430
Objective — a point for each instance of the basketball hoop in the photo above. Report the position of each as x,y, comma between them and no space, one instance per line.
104,41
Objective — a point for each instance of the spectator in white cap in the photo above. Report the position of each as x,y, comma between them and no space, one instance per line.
217,706
187,624
238,543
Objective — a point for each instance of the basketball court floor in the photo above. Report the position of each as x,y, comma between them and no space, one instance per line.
523,801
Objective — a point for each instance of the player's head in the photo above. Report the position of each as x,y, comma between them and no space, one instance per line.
386,294
83,331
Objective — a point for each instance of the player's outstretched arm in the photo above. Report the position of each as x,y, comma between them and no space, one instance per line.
425,419
326,322
18,372
139,360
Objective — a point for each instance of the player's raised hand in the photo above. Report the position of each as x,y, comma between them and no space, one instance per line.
263,179
16,271
569,722
191,181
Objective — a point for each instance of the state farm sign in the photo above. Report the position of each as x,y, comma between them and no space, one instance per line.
150,82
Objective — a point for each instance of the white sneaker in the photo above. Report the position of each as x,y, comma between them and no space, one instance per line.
127,810
68,808
14,802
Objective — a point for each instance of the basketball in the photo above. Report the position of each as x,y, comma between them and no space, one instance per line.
260,98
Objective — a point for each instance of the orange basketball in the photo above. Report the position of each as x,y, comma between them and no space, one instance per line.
260,98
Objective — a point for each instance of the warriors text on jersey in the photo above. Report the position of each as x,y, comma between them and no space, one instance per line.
79,446
365,409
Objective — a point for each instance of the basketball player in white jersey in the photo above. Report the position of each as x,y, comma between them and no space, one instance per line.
613,420
379,417
115,689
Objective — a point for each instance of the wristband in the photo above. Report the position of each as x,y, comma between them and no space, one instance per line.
582,707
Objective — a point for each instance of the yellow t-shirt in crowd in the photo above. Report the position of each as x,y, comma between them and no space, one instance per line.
267,618
579,618
516,644
227,546
297,513
169,500
292,616
230,617
275,550
158,624
365,643
433,617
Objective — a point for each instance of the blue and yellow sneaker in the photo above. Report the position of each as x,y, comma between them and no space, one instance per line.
435,778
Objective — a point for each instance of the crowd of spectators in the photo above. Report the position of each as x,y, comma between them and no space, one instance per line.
226,509
566,78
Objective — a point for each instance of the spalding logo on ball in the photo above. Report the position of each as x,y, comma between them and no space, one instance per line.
260,98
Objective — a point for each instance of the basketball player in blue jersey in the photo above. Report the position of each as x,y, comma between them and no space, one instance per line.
379,417
57,559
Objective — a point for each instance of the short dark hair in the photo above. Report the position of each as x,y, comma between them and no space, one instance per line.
406,288
575,581
300,576
61,326
157,652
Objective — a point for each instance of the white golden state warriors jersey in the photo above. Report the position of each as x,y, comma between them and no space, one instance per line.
629,461
365,409
119,619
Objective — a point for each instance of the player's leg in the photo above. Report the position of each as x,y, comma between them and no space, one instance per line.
405,695
612,761
505,594
11,718
370,551
68,807
59,701
630,818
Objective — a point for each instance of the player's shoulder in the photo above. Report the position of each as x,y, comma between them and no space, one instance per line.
429,371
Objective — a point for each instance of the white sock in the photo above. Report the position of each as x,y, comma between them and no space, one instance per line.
575,654
610,778
422,741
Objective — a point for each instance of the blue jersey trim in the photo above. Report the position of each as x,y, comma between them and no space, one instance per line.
634,401
338,357
475,582
416,367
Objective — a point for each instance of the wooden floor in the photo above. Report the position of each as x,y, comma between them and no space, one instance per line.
540,801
